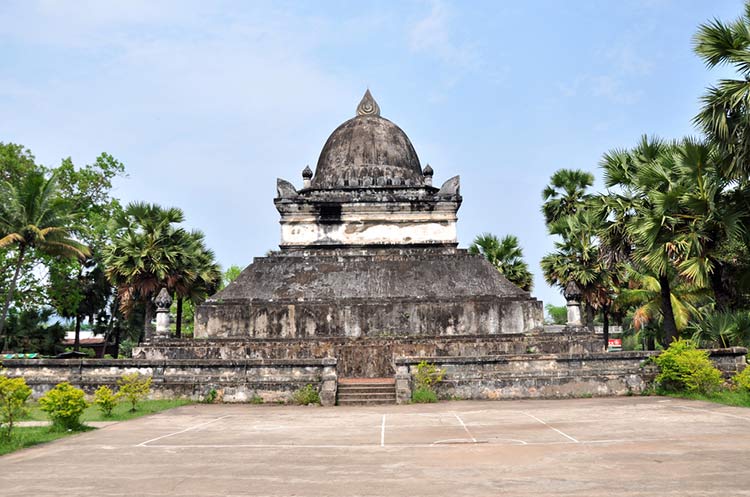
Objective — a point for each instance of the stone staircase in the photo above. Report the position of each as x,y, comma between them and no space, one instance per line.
366,391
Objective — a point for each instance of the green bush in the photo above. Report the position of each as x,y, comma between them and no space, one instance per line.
306,395
424,396
683,367
64,404
256,399
742,380
13,396
134,387
106,400
427,375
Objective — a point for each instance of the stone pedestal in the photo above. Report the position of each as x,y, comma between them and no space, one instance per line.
163,302
403,384
329,385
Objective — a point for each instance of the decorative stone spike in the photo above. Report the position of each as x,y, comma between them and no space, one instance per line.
307,175
368,106
427,173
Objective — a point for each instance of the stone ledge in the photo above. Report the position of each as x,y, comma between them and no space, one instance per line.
145,363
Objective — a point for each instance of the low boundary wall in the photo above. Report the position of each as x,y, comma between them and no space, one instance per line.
234,380
547,376
509,376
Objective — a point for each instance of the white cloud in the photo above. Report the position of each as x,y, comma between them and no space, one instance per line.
432,35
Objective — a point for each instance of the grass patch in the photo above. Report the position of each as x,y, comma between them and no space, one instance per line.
120,413
23,437
726,397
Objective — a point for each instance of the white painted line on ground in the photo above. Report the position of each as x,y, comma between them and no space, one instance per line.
714,412
382,432
465,428
437,443
552,427
143,444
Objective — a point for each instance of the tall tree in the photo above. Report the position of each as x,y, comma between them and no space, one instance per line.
33,216
678,212
195,276
725,116
566,194
144,255
506,255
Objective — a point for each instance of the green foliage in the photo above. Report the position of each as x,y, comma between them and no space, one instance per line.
306,395
230,275
742,380
427,376
683,367
256,399
28,331
557,313
423,395
106,400
34,217
722,329
64,404
13,396
507,257
134,388
211,396
28,436
723,116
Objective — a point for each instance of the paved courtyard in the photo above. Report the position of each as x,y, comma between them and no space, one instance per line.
582,447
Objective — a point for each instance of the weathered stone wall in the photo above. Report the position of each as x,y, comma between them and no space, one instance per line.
369,318
372,356
509,376
233,380
548,375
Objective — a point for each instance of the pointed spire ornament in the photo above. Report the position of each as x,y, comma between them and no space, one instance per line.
368,106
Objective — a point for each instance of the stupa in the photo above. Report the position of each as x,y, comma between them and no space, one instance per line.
368,267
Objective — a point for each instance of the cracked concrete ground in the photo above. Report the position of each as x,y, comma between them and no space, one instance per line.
584,447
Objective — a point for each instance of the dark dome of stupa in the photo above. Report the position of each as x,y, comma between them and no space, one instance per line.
368,151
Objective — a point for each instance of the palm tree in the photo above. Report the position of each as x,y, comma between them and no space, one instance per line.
566,193
674,212
144,255
34,217
197,275
577,260
506,255
645,294
725,116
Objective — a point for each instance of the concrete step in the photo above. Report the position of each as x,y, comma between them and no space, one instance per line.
380,395
366,391
366,402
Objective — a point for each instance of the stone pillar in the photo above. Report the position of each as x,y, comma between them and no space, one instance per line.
403,384
329,385
572,294
163,302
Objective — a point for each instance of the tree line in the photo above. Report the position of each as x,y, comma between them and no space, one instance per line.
69,248
664,249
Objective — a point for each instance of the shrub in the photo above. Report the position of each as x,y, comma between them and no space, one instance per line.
134,387
683,367
424,396
742,380
64,404
211,396
106,400
256,399
427,375
13,396
306,395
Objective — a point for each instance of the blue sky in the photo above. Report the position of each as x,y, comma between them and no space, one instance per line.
207,103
